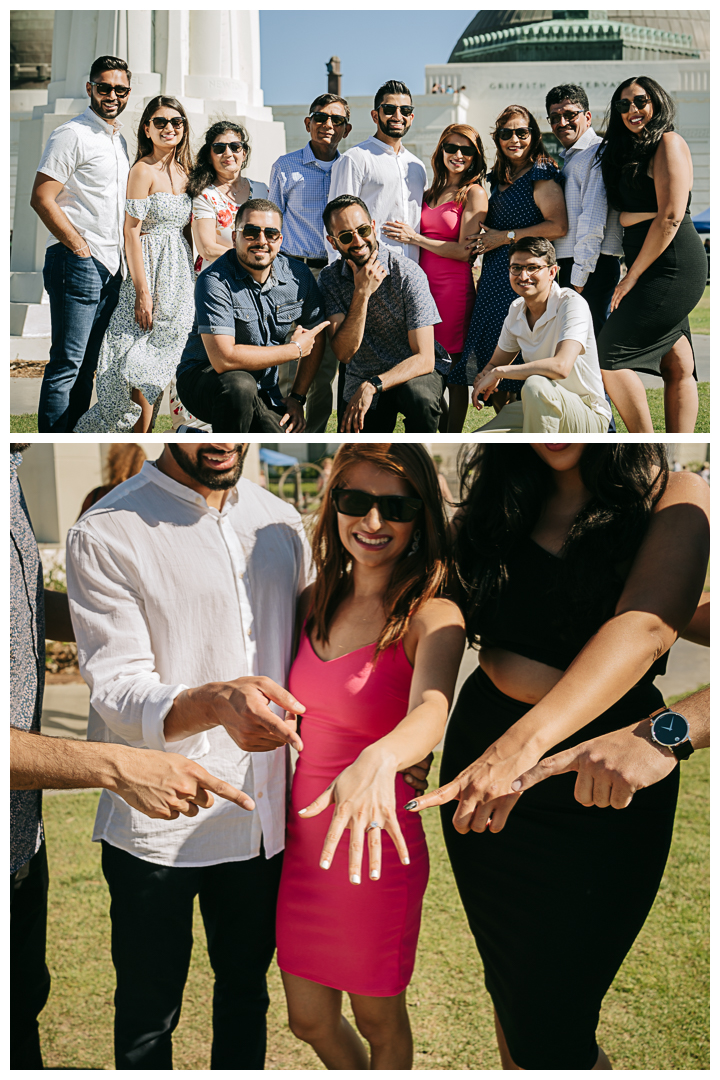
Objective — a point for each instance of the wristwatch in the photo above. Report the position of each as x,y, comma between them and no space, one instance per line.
671,730
510,235
375,381
302,398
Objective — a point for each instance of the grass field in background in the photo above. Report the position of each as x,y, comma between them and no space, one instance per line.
655,1015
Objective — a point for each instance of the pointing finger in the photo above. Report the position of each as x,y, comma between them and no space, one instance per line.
565,761
321,803
438,797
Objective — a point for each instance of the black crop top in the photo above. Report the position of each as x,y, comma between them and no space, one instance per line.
639,197
532,615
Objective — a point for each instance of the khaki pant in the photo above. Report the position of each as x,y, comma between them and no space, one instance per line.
320,397
547,409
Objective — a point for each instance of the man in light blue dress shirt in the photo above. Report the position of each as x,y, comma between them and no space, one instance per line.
299,185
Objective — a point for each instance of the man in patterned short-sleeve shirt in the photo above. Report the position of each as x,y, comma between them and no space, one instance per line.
381,317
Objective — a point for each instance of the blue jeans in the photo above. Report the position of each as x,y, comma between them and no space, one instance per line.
83,295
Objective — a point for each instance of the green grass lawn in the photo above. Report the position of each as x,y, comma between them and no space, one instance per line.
654,1017
700,317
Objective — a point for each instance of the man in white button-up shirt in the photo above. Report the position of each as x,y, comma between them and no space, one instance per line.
79,195
552,328
182,584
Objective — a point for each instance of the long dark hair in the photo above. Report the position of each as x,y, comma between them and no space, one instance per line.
504,489
144,144
417,577
475,172
501,172
621,152
203,174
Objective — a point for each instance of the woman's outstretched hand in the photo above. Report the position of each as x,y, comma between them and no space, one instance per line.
483,791
362,793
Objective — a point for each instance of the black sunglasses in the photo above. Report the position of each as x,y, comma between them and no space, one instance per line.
390,110
162,122
568,115
106,88
507,133
252,232
219,147
323,117
453,148
391,507
639,101
346,235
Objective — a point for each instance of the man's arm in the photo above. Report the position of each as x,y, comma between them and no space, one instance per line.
225,355
159,785
558,366
44,193
488,377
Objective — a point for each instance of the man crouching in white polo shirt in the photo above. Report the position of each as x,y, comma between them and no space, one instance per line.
553,329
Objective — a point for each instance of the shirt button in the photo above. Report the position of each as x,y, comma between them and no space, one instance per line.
260,794
249,633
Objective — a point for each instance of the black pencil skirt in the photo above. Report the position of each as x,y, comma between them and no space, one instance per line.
555,900
654,314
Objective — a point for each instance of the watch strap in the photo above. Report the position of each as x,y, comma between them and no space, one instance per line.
302,398
375,381
683,750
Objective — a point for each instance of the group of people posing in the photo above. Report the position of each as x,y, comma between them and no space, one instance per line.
356,259
573,567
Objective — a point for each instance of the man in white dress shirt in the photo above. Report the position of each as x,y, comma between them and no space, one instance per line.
79,195
182,585
552,327
382,172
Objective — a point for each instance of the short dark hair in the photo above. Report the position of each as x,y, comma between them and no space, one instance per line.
108,63
339,204
535,245
574,94
392,86
263,205
329,99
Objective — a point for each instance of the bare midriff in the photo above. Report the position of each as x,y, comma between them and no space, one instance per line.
627,219
517,676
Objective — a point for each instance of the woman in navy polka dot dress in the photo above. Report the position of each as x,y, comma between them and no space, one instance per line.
526,200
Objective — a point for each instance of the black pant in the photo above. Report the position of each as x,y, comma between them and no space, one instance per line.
29,976
418,400
229,402
151,912
597,292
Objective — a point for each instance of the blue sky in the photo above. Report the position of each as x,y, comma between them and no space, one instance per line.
373,45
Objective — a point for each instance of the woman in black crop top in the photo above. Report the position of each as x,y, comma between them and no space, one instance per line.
579,564
648,175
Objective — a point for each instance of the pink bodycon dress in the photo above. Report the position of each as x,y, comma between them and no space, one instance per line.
451,282
358,938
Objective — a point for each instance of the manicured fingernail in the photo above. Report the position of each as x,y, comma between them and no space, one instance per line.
374,875
355,878
325,864
412,805
406,861
516,785
303,811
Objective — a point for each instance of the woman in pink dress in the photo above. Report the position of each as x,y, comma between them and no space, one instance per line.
454,207
377,660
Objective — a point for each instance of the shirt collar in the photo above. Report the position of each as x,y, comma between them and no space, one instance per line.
384,146
588,138
277,276
308,158
152,473
550,310
91,115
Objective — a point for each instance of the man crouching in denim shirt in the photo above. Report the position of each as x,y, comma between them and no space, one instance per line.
246,303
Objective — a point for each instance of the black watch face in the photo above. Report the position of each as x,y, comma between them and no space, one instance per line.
670,728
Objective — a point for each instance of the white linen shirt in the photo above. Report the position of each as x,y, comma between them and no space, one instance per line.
168,593
88,156
391,186
567,317
593,226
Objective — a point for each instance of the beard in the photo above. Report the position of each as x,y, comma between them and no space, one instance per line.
372,244
97,106
18,447
210,478
383,125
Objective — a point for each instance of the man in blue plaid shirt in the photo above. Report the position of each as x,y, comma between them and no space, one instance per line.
299,185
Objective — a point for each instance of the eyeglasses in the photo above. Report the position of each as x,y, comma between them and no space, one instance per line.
235,147
346,235
252,232
453,148
568,115
390,110
106,88
533,269
323,117
507,133
162,122
639,101
391,507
